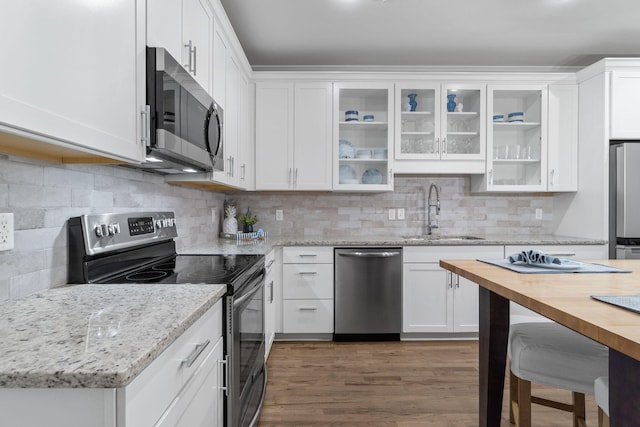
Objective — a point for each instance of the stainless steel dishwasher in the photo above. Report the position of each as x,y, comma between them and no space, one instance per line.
368,294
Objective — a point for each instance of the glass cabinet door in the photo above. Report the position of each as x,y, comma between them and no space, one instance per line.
463,124
517,137
417,121
363,134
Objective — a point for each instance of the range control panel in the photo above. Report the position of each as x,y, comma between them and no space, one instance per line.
108,232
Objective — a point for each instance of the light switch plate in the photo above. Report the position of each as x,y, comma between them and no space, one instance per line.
6,231
538,213
279,214
392,214
400,213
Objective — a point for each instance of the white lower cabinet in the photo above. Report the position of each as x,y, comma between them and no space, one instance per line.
307,290
181,387
435,300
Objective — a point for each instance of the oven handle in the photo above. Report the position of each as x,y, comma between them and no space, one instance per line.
225,366
243,298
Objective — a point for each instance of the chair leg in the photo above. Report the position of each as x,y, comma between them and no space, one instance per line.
513,396
603,419
524,403
578,410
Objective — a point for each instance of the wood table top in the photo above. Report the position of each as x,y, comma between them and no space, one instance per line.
566,298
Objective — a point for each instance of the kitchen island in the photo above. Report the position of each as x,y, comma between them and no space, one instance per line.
566,299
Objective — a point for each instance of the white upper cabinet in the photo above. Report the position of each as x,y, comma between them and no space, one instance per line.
562,165
76,77
293,136
516,139
625,110
185,29
220,53
440,128
532,139
363,136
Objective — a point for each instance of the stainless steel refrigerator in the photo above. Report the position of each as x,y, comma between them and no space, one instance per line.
624,200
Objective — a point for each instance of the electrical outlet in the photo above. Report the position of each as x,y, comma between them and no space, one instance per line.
6,231
400,213
279,215
392,214
538,213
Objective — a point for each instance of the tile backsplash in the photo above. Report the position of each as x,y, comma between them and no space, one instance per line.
336,215
43,196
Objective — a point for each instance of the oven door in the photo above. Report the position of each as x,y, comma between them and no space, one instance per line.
248,371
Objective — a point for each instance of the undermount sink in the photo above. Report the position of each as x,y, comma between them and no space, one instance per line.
440,238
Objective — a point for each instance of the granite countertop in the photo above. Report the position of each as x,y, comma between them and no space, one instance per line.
230,247
46,340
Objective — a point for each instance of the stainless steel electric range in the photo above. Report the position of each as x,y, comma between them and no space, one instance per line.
140,248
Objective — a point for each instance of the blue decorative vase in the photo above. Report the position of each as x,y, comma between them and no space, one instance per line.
412,101
451,105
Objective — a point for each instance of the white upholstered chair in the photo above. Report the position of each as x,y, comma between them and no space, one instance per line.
601,388
548,353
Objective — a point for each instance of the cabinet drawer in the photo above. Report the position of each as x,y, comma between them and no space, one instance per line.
436,253
307,281
196,402
308,316
151,392
577,252
307,255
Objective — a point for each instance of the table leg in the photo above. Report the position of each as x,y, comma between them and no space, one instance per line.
624,390
494,334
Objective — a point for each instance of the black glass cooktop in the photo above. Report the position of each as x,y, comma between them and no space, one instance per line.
194,269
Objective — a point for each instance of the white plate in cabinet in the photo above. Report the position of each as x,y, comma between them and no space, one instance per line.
307,255
308,281
308,316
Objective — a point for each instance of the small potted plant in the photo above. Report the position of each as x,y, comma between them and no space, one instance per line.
247,220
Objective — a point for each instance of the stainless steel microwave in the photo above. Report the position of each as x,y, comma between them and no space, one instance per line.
185,123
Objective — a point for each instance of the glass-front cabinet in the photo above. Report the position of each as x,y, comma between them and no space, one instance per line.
442,122
363,136
516,138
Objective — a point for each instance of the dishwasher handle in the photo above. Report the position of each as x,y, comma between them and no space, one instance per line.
357,254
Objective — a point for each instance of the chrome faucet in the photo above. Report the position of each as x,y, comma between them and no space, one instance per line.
432,224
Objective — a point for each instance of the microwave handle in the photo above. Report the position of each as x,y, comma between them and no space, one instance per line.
213,114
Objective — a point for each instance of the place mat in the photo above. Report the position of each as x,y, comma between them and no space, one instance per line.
578,267
629,302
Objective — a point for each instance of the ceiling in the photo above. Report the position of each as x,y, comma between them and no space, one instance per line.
406,34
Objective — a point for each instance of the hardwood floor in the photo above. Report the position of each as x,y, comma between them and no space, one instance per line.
405,384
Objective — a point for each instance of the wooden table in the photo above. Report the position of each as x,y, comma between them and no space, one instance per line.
566,299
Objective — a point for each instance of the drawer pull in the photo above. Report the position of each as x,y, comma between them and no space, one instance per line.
308,308
304,255
270,263
308,272
195,354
